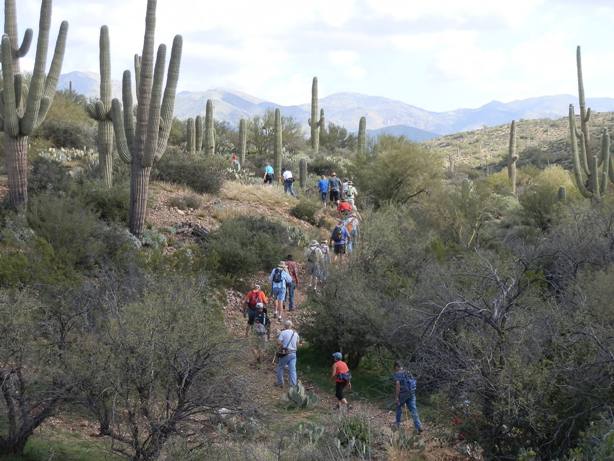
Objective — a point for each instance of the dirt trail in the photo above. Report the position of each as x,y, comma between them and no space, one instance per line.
263,378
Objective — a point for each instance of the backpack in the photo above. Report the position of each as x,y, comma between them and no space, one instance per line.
260,326
338,234
311,257
345,377
408,384
253,299
277,278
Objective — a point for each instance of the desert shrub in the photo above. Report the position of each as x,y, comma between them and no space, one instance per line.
201,174
63,133
246,244
305,210
327,165
111,205
355,434
48,175
186,201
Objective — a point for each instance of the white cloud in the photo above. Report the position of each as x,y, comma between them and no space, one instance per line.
348,63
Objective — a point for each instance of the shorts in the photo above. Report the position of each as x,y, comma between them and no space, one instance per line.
268,179
339,249
251,316
334,195
279,293
339,388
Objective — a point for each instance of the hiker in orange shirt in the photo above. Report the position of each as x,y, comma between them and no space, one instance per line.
342,377
251,300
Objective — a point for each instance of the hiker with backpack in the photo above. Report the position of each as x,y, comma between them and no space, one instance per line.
279,278
251,300
343,379
288,182
339,238
334,188
351,223
269,173
405,395
315,263
288,342
262,332
344,207
292,268
325,249
323,188
351,193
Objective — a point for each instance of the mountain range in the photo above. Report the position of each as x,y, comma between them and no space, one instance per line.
384,115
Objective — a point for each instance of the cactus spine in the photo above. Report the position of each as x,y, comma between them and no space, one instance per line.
209,129
199,135
21,114
191,137
242,141
302,173
512,157
278,145
314,123
101,111
144,142
362,136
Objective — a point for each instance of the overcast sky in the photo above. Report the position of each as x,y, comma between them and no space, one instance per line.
436,54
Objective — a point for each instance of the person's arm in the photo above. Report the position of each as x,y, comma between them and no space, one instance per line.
334,372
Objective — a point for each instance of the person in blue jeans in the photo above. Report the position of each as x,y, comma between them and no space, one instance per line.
405,393
323,188
280,279
289,341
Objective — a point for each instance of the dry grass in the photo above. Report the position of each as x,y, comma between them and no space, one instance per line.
272,197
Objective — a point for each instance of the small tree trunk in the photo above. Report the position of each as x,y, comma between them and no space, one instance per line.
139,189
16,151
105,152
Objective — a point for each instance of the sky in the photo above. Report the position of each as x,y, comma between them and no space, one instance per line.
435,54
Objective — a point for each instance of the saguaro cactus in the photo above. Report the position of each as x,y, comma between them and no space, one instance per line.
144,142
101,111
209,129
512,157
278,145
190,137
302,173
198,138
314,123
600,166
362,136
25,107
242,141
585,112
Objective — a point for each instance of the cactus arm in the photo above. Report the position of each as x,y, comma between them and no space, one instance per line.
105,68
137,74
10,28
25,44
11,119
578,168
120,133
322,122
605,159
128,109
168,101
51,82
155,108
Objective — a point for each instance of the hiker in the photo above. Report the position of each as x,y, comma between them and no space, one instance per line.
325,249
351,193
262,331
288,182
288,341
334,188
234,163
342,377
405,394
315,262
269,173
339,239
293,271
344,206
279,279
251,300
351,223
323,188
344,187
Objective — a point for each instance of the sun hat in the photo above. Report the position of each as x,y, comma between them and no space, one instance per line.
314,242
337,355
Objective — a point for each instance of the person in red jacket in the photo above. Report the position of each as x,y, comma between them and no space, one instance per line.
342,377
251,299
344,206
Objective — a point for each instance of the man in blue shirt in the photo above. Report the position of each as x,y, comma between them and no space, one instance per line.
340,238
280,279
323,188
334,187
269,173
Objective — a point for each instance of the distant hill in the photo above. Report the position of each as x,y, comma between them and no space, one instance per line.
415,134
345,109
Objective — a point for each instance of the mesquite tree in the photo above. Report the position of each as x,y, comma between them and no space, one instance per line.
144,142
101,111
24,107
314,123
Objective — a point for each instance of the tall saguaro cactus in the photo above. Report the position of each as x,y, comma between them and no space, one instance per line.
314,123
190,137
144,142
278,145
302,173
585,112
101,111
25,107
512,157
209,129
242,140
362,136
198,137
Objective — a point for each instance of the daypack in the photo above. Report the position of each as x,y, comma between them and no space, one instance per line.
408,384
277,278
312,256
260,325
253,299
338,234
345,377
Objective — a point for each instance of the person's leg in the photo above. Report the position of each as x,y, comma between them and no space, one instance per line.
291,288
292,369
281,365
399,413
411,406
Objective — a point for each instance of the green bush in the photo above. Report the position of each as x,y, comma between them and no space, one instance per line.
305,210
112,205
204,175
326,166
69,134
245,245
48,175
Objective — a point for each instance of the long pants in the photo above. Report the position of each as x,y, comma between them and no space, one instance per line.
290,361
290,292
289,188
411,406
